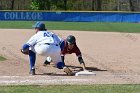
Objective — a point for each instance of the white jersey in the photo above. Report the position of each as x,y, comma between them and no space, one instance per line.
43,37
46,43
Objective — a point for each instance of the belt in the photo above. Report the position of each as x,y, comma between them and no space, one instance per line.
51,44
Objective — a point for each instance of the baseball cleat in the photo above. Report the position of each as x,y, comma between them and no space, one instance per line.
68,71
46,63
32,72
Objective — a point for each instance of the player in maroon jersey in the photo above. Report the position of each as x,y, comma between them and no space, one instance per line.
69,46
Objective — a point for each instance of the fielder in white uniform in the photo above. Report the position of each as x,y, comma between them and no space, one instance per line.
44,43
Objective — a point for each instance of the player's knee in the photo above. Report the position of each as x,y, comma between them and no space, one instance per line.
60,65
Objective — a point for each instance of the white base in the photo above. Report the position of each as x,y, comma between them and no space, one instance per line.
85,73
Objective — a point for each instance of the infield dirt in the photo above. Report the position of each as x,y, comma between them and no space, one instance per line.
113,56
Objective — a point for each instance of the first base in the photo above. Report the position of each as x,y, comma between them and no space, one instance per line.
85,73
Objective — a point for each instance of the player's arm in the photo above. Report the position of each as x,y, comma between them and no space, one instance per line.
57,39
81,61
63,59
63,51
32,40
28,44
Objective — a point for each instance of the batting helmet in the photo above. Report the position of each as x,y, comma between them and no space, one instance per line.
71,39
39,25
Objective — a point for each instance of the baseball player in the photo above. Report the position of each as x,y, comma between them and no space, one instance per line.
68,46
44,43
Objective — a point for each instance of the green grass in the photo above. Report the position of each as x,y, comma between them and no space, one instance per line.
71,89
2,58
81,26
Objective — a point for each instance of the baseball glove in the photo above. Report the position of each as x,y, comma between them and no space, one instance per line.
25,52
68,71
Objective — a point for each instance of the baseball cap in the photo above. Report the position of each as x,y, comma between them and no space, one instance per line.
39,25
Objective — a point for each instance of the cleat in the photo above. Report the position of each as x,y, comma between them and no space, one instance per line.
46,63
32,72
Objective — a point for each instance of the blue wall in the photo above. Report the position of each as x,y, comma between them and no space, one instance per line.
70,16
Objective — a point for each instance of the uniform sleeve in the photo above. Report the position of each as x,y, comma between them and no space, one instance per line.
32,40
57,39
78,52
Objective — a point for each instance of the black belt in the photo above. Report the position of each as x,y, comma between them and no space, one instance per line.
51,44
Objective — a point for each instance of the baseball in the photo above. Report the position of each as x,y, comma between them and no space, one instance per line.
49,59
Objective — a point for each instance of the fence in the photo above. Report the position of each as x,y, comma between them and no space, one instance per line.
70,16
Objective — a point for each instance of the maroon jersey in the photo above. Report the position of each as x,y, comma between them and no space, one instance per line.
66,50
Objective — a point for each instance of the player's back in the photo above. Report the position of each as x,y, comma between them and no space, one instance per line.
44,37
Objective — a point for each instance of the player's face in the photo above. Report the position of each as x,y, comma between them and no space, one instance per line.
70,46
36,30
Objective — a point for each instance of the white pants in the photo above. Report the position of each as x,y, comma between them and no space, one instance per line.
48,50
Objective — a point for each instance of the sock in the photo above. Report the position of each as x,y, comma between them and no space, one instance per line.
32,57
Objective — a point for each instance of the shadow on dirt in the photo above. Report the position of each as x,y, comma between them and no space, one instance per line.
53,74
74,70
77,68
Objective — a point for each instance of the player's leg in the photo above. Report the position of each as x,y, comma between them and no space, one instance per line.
48,60
54,52
59,63
42,49
55,56
32,57
45,50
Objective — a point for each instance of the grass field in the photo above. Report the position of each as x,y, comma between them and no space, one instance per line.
83,26
2,58
72,89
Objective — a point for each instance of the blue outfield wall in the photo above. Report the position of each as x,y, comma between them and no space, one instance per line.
69,16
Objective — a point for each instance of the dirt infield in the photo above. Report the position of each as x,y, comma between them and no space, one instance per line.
114,57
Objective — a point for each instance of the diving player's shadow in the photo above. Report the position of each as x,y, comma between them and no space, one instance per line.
52,74
74,69
77,68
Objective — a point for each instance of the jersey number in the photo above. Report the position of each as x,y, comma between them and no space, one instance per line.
46,34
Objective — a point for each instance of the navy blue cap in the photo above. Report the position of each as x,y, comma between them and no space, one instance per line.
39,25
